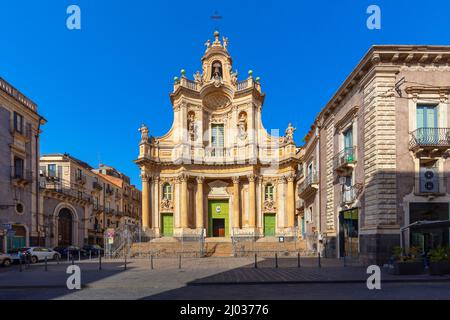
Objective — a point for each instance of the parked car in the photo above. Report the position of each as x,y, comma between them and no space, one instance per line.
20,254
93,249
36,254
5,260
70,250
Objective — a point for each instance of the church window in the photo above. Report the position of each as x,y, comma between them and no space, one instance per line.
167,192
269,192
217,139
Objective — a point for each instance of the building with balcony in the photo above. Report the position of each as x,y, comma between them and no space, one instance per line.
218,170
20,128
79,202
382,148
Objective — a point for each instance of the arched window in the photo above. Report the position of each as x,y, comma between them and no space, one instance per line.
167,192
269,192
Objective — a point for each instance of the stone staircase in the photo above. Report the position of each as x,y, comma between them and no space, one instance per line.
215,247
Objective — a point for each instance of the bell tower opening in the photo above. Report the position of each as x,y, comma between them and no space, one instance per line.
217,71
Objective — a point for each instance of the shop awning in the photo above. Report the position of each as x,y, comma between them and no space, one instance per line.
420,225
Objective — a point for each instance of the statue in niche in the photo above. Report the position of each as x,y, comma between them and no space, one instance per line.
144,133
191,126
242,126
290,133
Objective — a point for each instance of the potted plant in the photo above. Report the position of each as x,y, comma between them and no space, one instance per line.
407,264
439,261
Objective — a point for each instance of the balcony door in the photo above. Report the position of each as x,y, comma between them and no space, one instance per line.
427,124
348,145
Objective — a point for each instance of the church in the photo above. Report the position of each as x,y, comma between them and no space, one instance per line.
218,172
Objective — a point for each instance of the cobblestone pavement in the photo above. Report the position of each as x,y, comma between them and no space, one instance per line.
213,278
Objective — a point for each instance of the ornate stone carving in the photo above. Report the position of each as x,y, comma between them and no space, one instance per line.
281,180
252,177
166,204
146,177
290,177
198,77
200,179
269,205
235,179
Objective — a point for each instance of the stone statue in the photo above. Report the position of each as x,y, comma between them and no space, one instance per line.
225,42
198,77
191,126
290,133
144,133
242,126
234,77
208,44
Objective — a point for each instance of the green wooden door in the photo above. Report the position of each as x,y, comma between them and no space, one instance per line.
167,225
218,210
269,225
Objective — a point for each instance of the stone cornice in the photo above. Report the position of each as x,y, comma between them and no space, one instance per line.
390,55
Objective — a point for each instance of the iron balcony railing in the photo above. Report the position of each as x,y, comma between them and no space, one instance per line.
65,188
80,179
97,186
430,137
344,158
310,179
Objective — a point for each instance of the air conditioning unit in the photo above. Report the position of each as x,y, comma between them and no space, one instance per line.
429,180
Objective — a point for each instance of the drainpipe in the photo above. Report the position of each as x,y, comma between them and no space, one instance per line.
36,137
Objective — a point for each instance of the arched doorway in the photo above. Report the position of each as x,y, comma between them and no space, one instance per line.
65,226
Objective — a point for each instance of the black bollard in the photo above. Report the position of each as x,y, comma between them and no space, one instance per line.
151,261
276,260
318,260
256,261
100,262
298,260
125,265
45,260
179,261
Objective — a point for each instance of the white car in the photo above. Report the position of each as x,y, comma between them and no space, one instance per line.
36,254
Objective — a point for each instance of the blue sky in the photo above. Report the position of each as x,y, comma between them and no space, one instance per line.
97,85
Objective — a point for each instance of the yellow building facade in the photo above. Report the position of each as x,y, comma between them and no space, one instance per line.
218,172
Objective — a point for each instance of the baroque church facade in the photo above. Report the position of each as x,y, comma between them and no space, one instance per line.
218,172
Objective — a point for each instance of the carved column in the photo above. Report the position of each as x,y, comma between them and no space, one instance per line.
236,204
184,201
290,201
252,201
199,203
177,203
282,209
156,199
146,203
